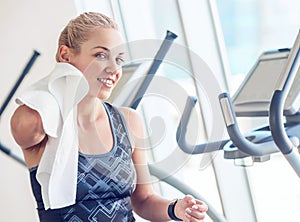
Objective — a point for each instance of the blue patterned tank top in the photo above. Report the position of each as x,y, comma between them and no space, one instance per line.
105,182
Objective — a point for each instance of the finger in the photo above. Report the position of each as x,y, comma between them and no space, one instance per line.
189,199
200,202
201,207
194,214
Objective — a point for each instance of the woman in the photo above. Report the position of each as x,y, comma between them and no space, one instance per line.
113,178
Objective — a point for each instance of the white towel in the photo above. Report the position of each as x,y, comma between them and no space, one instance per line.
55,98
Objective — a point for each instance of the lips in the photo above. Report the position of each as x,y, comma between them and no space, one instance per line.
106,81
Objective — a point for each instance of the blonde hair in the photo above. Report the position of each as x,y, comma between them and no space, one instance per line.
77,30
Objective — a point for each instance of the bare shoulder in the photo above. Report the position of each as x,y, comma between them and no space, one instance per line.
134,119
24,116
134,122
131,114
26,126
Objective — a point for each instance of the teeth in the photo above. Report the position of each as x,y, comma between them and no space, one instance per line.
105,81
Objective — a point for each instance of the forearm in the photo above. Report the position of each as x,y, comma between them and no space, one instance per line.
145,202
152,208
155,208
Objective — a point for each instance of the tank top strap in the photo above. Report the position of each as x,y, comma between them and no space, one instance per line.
118,124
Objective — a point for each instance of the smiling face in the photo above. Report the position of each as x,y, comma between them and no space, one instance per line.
100,59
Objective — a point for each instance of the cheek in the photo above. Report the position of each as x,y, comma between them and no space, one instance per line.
119,75
92,69
79,63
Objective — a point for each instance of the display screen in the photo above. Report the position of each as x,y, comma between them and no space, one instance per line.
255,93
261,84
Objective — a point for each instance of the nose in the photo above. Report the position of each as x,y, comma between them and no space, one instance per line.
110,71
112,67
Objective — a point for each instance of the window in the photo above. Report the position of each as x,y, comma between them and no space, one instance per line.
251,27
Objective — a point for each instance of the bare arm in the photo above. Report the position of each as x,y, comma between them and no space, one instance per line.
26,127
145,202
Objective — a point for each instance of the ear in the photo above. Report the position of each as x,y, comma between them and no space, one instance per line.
64,53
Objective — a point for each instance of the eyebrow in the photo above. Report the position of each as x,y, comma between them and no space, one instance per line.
102,47
106,49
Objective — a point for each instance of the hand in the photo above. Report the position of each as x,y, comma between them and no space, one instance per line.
190,209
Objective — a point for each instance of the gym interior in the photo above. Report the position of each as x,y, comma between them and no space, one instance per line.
222,110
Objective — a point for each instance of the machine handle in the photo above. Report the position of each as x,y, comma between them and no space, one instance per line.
182,130
12,92
235,135
161,53
23,74
288,148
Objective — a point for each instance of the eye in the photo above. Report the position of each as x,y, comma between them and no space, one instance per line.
101,55
120,60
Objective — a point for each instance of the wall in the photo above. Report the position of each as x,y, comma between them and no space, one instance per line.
25,26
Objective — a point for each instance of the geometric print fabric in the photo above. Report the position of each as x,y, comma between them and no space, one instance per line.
105,182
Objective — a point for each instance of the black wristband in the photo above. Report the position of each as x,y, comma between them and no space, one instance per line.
171,211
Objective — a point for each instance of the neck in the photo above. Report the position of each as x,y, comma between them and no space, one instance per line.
89,109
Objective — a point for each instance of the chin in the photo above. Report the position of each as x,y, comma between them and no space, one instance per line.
103,96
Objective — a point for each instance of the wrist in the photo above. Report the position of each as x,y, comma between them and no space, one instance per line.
171,210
